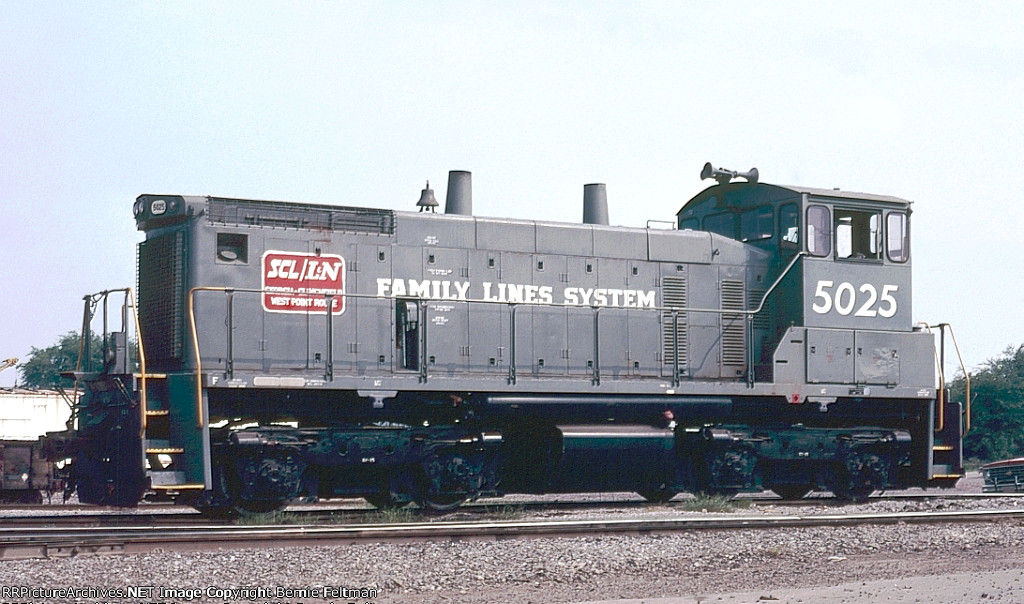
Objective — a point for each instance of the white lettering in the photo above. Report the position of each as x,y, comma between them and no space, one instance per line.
846,298
419,289
512,293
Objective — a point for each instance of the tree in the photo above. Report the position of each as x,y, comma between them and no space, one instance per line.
44,365
997,409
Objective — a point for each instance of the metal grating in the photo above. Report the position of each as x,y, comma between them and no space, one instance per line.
161,294
276,214
673,292
734,350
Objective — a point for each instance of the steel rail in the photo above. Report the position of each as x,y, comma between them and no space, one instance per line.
331,510
30,542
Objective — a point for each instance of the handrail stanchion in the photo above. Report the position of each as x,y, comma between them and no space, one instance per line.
596,378
675,348
229,357
329,361
512,345
424,357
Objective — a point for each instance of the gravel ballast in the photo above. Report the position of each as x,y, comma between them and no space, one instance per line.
847,564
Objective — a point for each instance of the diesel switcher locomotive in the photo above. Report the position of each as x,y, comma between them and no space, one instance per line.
275,352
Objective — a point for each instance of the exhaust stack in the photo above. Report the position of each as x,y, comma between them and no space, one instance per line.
460,193
595,204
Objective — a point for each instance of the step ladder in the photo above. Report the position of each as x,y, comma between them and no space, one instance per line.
172,437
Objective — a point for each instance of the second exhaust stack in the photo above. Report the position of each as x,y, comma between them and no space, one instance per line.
460,193
595,204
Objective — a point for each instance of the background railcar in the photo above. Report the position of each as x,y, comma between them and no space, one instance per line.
299,351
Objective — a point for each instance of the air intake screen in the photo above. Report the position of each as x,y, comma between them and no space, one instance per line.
733,325
674,327
162,296
300,216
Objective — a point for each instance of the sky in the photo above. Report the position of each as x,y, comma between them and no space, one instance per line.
360,103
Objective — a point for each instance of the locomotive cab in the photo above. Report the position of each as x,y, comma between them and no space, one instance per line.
845,296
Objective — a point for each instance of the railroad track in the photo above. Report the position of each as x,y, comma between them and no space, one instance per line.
48,542
357,511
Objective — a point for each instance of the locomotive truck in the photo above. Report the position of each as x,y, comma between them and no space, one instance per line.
290,351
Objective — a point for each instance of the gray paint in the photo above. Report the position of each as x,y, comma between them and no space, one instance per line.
470,340
460,193
595,204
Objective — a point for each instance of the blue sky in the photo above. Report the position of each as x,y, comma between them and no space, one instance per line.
359,103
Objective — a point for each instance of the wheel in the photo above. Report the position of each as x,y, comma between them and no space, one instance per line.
858,476
791,492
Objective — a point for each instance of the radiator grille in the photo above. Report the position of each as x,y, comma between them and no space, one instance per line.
733,329
674,330
161,289
300,216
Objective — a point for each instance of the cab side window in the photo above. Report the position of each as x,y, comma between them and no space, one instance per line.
756,224
897,237
689,224
858,234
723,224
789,226
819,231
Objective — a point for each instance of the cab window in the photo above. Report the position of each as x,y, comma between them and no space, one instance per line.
897,238
789,226
723,224
858,234
756,224
819,231
689,224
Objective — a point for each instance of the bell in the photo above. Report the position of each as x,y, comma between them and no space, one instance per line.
427,201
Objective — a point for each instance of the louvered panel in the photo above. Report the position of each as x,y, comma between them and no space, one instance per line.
674,332
761,319
733,330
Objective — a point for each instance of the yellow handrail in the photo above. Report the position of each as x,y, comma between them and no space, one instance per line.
195,345
129,294
967,382
940,423
942,379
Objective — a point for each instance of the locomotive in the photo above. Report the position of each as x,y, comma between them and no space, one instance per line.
292,351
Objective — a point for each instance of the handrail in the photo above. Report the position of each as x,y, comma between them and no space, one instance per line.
83,343
940,360
200,416
674,310
963,367
778,280
940,424
760,307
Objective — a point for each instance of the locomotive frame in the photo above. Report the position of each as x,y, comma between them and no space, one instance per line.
291,351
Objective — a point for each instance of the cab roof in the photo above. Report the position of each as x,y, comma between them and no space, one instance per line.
758,193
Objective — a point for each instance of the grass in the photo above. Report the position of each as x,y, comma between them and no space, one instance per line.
398,515
703,502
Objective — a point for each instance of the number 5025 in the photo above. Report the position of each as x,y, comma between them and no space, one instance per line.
868,302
